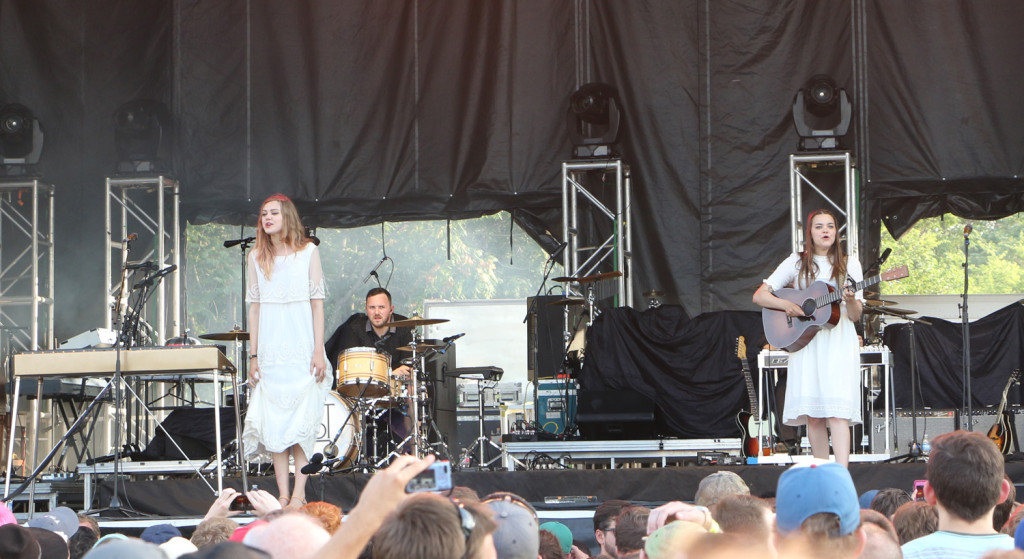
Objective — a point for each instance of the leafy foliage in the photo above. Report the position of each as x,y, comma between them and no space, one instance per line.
482,265
934,251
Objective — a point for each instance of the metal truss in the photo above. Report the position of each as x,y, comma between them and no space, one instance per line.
806,172
147,206
26,264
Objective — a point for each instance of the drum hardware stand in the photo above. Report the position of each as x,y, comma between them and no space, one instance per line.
914,454
481,442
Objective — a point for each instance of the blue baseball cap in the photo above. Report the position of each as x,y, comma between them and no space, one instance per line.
804,491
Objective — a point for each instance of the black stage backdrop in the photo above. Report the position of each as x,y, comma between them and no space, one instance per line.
366,111
688,368
997,348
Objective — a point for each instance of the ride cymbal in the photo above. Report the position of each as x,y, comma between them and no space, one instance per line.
415,322
568,302
232,336
589,279
419,347
888,310
879,303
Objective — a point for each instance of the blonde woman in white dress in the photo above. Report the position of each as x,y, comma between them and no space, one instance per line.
288,369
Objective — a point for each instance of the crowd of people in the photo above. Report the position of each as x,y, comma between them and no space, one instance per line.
966,509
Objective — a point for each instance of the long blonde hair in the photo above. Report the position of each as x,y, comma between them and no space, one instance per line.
294,235
836,256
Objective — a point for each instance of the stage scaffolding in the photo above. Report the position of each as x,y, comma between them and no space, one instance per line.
811,171
149,207
596,222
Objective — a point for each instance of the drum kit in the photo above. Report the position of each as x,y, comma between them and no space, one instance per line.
366,390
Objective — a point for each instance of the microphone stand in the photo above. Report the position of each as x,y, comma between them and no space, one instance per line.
966,331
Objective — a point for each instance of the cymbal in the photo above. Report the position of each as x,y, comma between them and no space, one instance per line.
592,278
232,336
568,302
419,347
888,310
879,303
415,322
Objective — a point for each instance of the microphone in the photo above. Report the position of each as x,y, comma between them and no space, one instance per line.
233,242
314,466
558,251
155,276
148,265
885,254
373,272
967,230
451,339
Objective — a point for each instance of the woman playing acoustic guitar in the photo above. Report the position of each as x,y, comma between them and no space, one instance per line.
823,390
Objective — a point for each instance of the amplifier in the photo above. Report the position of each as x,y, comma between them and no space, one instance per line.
930,422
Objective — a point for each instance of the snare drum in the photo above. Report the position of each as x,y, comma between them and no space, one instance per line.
338,414
363,373
399,392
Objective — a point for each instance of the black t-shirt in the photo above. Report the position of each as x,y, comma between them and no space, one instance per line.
357,332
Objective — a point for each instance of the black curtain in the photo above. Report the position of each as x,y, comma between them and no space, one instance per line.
366,111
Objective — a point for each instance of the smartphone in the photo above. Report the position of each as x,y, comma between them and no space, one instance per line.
240,502
438,477
919,489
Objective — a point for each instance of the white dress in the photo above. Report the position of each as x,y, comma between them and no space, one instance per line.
824,376
287,405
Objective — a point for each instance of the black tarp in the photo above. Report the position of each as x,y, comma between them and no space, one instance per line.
996,348
426,109
688,367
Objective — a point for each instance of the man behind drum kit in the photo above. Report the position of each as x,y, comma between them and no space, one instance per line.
368,330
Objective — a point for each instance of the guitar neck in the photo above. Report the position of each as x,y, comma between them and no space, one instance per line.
837,295
751,393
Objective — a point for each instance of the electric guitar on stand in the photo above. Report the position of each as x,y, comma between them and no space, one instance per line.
793,333
1001,432
757,438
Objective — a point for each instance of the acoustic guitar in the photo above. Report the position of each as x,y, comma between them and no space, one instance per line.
1001,432
756,432
793,333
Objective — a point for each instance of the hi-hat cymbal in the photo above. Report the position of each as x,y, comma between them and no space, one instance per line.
588,279
415,322
568,302
879,303
232,336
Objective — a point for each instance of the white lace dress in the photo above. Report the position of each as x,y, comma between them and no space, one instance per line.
287,405
824,376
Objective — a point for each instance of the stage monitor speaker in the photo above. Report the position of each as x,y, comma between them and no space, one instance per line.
614,415
930,422
443,393
469,430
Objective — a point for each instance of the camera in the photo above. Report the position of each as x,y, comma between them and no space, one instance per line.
240,502
438,477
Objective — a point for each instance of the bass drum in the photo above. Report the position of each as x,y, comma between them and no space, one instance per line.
339,414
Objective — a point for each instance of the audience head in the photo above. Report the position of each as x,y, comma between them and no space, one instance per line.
727,546
329,515
560,531
6,515
880,537
818,505
914,519
718,485
517,534
89,522
61,520
966,475
673,540
430,526
744,514
549,547
178,546
866,498
127,548
631,529
82,542
464,494
213,531
888,500
17,542
1002,512
159,533
604,524
1011,525
292,536
228,550
51,544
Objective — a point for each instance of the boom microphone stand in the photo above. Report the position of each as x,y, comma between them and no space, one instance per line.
966,331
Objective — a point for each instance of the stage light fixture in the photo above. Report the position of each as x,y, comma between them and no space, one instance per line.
593,118
142,136
21,138
821,113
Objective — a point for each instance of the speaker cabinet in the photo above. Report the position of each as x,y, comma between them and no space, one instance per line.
614,414
544,337
930,422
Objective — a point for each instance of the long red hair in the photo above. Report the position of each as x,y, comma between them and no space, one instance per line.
293,234
836,255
